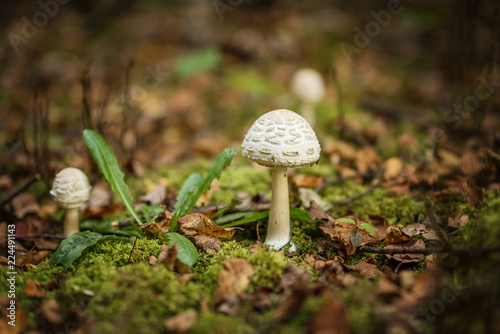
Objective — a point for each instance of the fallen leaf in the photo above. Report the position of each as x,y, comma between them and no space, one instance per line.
331,318
315,212
155,196
309,195
100,197
25,203
366,159
366,269
392,167
32,290
407,258
234,278
395,235
307,181
181,322
51,312
293,277
197,224
168,255
208,243
458,220
387,287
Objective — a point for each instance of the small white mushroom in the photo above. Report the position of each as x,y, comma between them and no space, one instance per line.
290,151
70,190
308,85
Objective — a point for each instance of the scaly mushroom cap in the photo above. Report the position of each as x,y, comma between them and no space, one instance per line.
281,138
308,85
70,188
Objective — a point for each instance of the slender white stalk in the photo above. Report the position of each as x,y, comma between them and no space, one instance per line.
307,111
279,229
71,222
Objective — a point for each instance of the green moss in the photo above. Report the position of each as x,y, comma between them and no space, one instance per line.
268,266
117,253
246,177
220,324
360,301
397,209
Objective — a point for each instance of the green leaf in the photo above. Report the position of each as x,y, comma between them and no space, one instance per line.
190,185
346,220
370,228
197,62
186,203
108,165
248,217
72,247
299,214
187,252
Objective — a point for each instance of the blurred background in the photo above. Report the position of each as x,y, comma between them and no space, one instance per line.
164,81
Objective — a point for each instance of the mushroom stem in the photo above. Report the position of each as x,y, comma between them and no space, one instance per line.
71,222
307,111
279,229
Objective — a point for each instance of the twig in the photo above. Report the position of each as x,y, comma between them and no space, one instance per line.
131,251
392,251
19,190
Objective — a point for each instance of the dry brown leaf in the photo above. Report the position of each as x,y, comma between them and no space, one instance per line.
368,270
23,204
472,162
168,255
331,318
51,312
32,289
208,243
307,181
294,277
395,235
407,258
197,224
387,287
341,149
155,196
309,195
234,278
315,212
458,220
100,197
392,167
366,159
181,322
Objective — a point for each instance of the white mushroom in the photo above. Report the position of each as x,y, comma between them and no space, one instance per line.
70,190
280,139
308,85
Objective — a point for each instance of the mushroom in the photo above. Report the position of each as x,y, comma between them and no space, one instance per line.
308,85
70,190
280,139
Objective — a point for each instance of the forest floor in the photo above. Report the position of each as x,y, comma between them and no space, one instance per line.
395,230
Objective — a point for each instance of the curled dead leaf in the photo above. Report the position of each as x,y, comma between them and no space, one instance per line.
182,322
395,235
407,258
208,243
197,224
234,278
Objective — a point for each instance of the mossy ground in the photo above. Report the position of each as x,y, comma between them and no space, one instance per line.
113,292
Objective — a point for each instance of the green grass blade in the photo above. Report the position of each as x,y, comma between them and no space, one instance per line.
185,204
108,165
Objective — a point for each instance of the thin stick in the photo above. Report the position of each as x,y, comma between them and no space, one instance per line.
19,190
131,251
